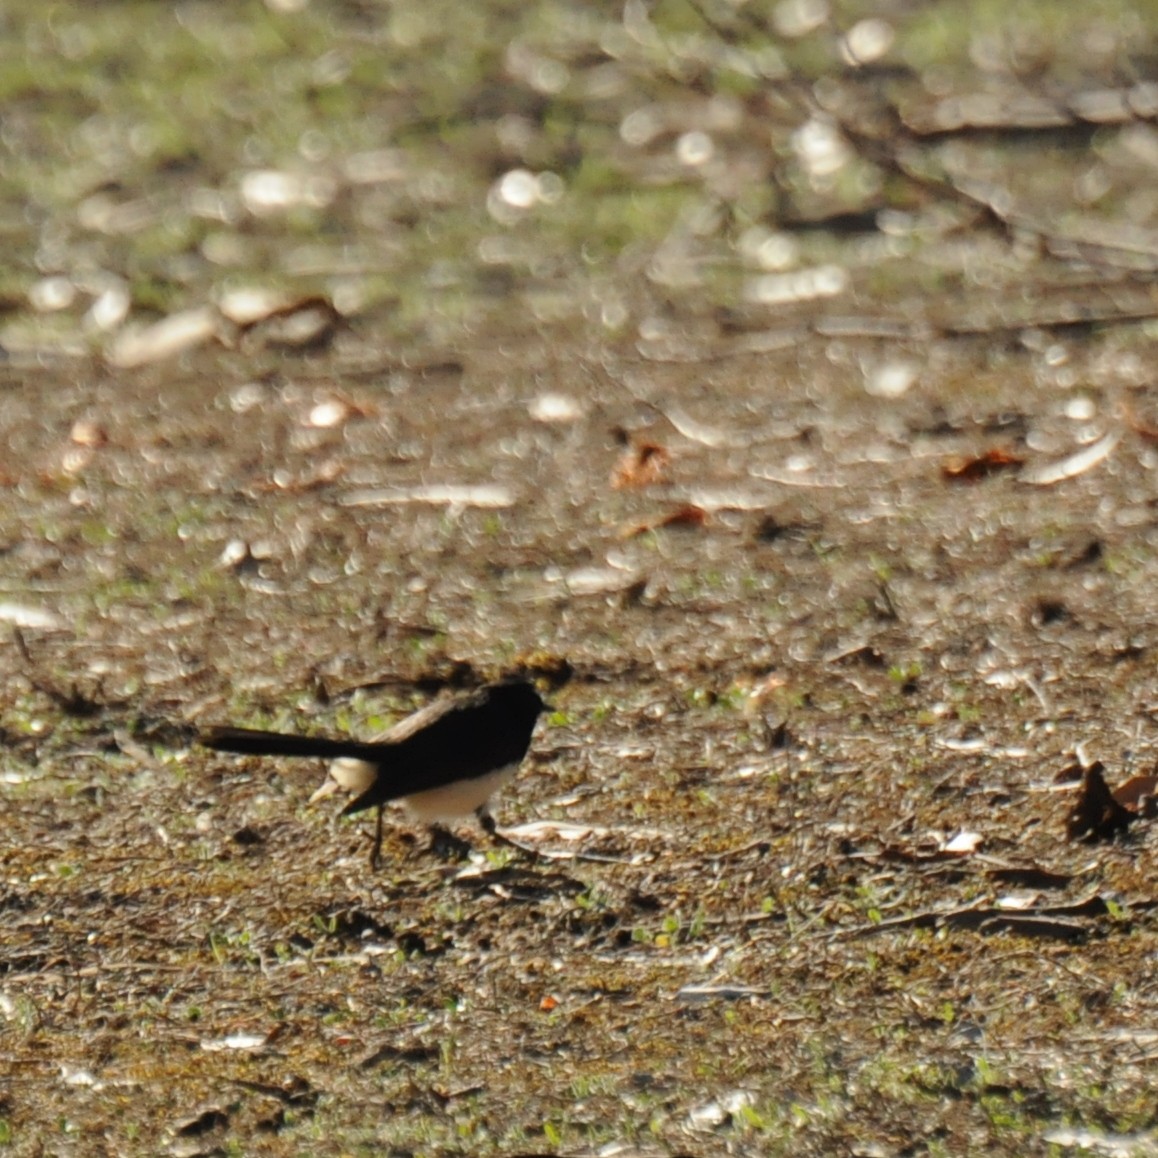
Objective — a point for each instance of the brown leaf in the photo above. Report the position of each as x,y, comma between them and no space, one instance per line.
1096,815
1070,774
640,465
1138,795
688,515
980,466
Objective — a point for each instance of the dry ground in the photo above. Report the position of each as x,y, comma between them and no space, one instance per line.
774,717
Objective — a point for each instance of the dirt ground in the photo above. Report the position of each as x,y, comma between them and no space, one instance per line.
808,740
788,414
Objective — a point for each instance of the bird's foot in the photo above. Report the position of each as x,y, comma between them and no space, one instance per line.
492,830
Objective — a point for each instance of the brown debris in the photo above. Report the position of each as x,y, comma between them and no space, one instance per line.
687,516
1139,794
641,464
307,323
202,1122
980,466
143,344
1097,815
88,432
1049,473
1067,922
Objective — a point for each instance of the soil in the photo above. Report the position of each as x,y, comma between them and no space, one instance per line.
792,733
837,598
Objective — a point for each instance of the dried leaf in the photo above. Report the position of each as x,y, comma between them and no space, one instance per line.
76,459
1096,815
981,466
1070,774
641,464
1085,459
141,345
696,431
689,515
1138,794
964,843
305,324
602,580
248,305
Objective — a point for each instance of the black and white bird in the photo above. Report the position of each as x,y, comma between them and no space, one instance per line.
443,762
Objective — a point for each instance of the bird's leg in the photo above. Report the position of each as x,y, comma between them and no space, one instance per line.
376,851
491,829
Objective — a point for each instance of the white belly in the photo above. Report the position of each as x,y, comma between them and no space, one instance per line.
455,800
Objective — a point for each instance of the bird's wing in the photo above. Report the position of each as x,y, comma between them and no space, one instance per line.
416,721
463,740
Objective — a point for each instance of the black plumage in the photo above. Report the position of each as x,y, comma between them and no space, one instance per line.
443,761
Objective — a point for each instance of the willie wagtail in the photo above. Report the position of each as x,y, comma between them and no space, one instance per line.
443,762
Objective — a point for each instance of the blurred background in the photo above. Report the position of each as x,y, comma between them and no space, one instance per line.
674,172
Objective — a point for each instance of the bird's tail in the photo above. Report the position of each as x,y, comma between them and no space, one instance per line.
255,742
